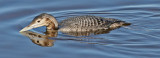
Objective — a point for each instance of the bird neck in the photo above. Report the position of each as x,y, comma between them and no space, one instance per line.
51,26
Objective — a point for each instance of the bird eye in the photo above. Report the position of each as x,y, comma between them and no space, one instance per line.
38,21
37,41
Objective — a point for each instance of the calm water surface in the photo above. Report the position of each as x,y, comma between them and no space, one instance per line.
139,40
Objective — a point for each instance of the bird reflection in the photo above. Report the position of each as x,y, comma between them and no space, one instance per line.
87,33
91,32
42,39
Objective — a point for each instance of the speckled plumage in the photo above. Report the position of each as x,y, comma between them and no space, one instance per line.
87,23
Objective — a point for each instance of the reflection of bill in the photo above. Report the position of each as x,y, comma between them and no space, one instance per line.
40,39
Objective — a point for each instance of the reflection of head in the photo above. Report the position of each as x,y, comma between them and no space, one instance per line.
43,42
40,39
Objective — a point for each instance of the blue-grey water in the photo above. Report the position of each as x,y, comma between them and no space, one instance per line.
139,40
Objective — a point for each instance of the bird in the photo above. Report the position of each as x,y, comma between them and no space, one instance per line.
82,23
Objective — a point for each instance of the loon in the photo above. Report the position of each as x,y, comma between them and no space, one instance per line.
75,24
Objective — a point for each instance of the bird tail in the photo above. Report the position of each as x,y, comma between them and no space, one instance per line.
126,24
119,24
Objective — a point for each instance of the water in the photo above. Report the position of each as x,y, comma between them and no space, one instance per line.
139,40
